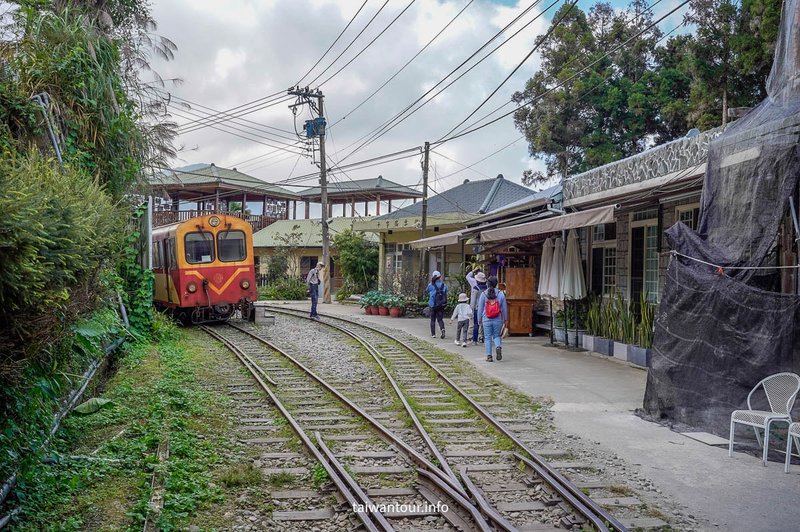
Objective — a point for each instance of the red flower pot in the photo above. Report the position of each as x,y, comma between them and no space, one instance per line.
383,311
373,310
368,310
395,312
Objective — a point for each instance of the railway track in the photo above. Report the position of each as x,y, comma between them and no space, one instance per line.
444,443
348,441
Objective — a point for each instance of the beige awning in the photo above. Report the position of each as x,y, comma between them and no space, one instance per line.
437,240
599,215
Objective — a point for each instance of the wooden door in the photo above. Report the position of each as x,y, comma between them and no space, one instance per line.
521,296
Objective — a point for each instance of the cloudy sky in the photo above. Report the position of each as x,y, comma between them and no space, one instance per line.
235,52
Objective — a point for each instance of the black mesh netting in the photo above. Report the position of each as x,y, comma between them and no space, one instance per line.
717,335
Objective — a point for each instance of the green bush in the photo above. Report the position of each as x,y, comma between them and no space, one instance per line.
59,230
358,260
277,266
287,288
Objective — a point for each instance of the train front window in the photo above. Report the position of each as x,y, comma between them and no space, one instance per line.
199,247
231,246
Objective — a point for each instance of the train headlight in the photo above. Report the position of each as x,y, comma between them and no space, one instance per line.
213,221
191,287
245,284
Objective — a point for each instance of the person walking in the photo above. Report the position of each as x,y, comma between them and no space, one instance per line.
437,300
475,294
464,313
313,280
493,312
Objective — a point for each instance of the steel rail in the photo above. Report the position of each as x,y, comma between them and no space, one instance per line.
483,504
249,364
350,481
588,508
445,466
486,509
452,488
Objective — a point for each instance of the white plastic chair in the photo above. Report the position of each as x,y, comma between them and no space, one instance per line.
781,390
794,434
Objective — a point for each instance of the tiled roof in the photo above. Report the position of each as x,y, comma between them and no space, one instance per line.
364,185
470,198
309,232
210,174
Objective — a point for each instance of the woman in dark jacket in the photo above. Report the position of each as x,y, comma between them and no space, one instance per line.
437,300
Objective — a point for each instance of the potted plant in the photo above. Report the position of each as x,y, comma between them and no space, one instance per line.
625,330
396,306
604,344
639,353
575,337
367,300
382,300
592,323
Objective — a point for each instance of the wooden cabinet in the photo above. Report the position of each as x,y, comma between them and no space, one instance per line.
521,297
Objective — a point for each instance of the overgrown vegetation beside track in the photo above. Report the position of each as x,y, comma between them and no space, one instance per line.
75,141
99,473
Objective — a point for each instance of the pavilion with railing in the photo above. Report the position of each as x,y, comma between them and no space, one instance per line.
199,189
209,189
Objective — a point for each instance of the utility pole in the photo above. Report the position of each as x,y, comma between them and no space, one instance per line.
316,128
425,163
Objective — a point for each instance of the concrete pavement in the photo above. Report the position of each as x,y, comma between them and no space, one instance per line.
594,398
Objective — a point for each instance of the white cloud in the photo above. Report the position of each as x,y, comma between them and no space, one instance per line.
233,53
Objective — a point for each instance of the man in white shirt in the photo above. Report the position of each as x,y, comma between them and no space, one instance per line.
313,280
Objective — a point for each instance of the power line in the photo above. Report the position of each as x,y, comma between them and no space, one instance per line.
393,122
376,91
562,83
236,112
266,135
536,46
369,43
354,39
353,18
220,128
197,105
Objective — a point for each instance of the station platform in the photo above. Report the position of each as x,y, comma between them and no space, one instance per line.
594,398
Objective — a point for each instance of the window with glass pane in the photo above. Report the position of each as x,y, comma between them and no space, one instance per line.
651,262
599,233
231,246
199,247
609,271
689,217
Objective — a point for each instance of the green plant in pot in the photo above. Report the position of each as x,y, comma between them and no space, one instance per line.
592,322
640,353
396,306
383,303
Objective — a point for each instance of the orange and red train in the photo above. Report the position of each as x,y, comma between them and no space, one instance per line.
204,268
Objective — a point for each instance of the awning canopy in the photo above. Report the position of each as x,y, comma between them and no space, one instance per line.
437,240
599,215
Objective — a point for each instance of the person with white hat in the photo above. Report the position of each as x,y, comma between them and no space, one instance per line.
437,301
479,287
464,313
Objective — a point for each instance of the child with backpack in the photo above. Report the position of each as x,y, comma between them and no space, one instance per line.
437,300
493,312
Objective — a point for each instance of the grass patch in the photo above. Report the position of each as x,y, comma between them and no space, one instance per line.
240,475
281,480
319,475
156,397
620,489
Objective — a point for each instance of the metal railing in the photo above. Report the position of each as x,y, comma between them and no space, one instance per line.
166,217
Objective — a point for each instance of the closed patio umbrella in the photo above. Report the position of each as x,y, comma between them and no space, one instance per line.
556,272
573,285
544,269
544,276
